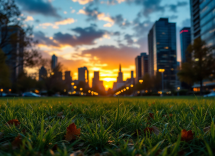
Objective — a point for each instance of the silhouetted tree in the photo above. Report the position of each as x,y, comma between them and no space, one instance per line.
200,66
11,16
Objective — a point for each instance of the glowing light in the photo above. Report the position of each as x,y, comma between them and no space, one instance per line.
132,86
161,70
64,90
141,81
127,88
81,89
72,83
2,90
146,91
184,31
52,73
10,90
75,87
36,91
89,91
178,88
197,59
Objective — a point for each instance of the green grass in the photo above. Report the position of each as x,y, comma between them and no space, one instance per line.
108,125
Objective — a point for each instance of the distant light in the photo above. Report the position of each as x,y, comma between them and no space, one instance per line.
132,85
52,73
166,47
2,90
75,87
197,59
124,89
161,70
10,90
141,81
184,31
127,88
81,89
89,91
178,88
64,90
146,91
138,92
72,83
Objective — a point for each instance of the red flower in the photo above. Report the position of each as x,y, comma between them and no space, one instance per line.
186,135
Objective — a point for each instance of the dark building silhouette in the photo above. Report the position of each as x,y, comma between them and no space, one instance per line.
185,37
203,20
68,79
96,81
42,73
142,66
14,49
59,76
120,75
162,51
83,75
54,61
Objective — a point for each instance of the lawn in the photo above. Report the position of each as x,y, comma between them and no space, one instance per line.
107,126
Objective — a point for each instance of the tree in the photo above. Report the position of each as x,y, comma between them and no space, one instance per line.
4,72
200,66
10,18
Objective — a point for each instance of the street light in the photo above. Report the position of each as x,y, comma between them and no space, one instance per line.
75,87
81,89
72,83
162,71
127,88
141,81
178,90
89,91
131,85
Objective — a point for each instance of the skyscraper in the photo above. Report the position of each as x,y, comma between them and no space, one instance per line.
54,61
162,51
120,75
203,20
14,49
185,37
42,73
97,84
95,79
83,75
142,66
68,79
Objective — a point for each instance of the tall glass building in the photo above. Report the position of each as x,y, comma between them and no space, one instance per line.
185,38
203,20
162,51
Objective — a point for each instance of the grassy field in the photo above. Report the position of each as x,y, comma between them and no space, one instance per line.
107,126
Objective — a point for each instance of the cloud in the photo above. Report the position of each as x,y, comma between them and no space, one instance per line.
82,36
112,55
128,39
174,7
56,24
82,2
40,36
108,25
29,18
186,22
38,7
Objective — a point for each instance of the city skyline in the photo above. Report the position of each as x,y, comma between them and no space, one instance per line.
97,34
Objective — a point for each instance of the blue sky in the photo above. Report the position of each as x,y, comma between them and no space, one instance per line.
99,34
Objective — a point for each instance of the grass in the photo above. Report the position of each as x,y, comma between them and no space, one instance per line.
109,126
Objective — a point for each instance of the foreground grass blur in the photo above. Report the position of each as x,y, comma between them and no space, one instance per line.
109,126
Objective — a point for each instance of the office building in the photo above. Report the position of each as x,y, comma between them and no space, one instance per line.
14,49
162,51
142,66
120,75
97,84
83,75
203,20
54,61
68,79
185,38
42,73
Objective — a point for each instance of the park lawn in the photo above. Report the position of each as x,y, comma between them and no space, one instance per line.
108,126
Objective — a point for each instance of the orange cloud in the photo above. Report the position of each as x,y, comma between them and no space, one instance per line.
56,24
82,2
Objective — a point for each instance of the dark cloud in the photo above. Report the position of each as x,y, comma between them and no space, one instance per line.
42,39
38,7
174,7
128,39
120,21
173,17
106,53
82,36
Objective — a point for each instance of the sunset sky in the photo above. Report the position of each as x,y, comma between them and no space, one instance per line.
99,34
